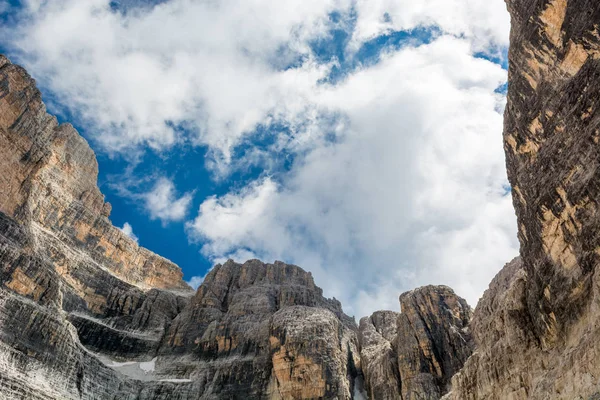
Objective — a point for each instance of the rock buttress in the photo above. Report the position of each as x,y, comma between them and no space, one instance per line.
413,354
536,328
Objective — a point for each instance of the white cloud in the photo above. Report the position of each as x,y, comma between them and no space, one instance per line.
209,65
163,203
411,193
128,230
482,22
203,63
235,218
196,281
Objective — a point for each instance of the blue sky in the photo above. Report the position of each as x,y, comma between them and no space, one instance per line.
348,137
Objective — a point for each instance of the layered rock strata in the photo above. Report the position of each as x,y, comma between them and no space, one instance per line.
536,328
48,177
85,313
265,330
413,354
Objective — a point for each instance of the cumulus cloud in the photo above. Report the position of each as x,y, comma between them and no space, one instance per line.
135,77
128,230
398,175
483,23
412,191
163,203
216,68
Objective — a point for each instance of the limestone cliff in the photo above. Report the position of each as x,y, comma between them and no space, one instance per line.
413,354
268,332
537,326
85,313
48,177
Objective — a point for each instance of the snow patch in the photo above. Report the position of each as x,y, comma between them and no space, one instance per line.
149,366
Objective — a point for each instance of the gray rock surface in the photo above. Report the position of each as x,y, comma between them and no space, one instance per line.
85,313
536,328
377,336
271,329
413,354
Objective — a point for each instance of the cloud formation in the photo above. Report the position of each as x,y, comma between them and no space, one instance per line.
397,175
137,77
163,203
128,230
411,193
485,24
216,68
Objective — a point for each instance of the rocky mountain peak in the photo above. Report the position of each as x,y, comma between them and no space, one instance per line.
413,354
234,277
436,303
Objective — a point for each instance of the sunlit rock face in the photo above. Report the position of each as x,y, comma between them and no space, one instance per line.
85,313
265,330
68,278
48,176
413,354
536,327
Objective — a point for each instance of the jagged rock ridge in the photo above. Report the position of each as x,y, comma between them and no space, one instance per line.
85,313
413,354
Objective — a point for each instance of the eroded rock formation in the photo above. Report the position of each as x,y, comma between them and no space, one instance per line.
85,313
268,332
413,354
537,327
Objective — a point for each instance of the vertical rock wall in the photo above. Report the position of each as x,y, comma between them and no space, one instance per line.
413,354
537,326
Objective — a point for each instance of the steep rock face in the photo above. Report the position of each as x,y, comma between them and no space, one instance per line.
378,355
536,328
48,177
85,313
433,340
413,355
500,324
286,339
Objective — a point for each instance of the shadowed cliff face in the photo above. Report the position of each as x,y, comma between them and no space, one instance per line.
413,354
536,327
552,145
